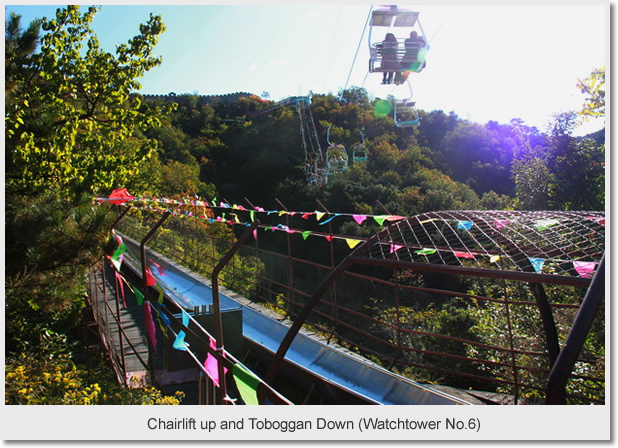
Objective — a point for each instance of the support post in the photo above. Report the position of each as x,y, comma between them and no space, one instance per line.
142,248
217,303
562,368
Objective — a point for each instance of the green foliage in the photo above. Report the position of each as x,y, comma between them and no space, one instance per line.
19,45
533,183
73,112
445,162
182,178
58,381
594,88
50,242
199,246
73,127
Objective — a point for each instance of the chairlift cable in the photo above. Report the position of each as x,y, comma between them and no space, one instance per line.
439,28
356,54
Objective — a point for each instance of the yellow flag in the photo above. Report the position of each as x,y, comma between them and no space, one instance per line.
352,243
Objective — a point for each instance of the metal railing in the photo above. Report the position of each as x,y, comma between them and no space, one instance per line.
457,325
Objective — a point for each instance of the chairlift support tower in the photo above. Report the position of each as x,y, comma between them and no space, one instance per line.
315,170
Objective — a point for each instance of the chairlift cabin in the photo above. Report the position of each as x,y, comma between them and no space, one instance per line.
409,49
336,157
359,152
405,114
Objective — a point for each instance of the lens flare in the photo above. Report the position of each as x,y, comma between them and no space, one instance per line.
382,108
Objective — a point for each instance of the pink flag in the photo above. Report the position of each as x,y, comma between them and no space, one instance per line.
160,269
394,217
499,224
119,279
359,218
395,247
584,268
212,365
150,325
463,254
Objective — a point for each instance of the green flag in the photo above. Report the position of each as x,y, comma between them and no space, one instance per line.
117,257
247,383
425,251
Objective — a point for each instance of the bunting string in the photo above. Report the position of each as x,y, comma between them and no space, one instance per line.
221,212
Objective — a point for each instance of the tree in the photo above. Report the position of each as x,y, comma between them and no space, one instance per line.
576,166
18,46
532,184
594,87
76,106
73,127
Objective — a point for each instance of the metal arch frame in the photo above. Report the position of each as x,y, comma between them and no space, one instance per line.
562,361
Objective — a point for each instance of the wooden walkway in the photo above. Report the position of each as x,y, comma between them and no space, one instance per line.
121,324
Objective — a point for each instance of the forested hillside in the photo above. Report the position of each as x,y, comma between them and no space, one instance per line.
249,148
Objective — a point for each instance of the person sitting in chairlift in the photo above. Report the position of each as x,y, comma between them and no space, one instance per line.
390,62
410,60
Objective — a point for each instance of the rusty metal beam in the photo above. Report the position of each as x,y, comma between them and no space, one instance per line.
562,368
216,302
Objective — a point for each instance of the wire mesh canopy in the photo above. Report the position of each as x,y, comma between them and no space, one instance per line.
561,244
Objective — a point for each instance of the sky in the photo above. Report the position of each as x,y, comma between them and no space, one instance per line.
486,62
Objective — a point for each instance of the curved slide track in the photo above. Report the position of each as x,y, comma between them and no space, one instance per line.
340,376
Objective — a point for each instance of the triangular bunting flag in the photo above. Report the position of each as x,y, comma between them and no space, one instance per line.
150,280
463,254
425,251
395,218
352,243
584,268
467,225
139,297
544,224
359,218
395,247
120,196
380,219
150,326
179,343
118,256
120,279
212,365
247,383
537,264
